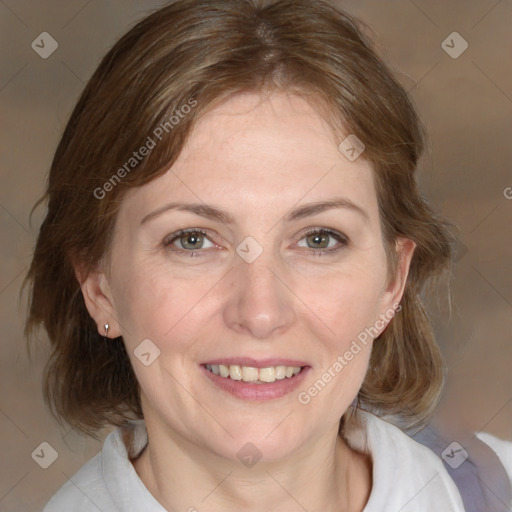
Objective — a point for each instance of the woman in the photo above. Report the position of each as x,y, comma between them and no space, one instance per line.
230,270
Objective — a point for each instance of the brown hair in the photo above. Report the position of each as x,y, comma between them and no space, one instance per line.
197,53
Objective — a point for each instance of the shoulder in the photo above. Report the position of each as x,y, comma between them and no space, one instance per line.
85,491
406,475
502,448
89,489
109,482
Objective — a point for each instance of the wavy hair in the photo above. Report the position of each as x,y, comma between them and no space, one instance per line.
205,51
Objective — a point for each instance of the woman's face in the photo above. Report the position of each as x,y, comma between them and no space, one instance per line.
283,266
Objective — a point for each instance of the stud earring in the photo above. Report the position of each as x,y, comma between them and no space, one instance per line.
106,330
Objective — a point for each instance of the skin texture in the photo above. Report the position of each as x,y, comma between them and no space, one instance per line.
256,158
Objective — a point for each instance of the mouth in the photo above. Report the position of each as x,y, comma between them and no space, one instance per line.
253,380
254,375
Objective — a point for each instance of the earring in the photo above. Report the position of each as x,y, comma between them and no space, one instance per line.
106,330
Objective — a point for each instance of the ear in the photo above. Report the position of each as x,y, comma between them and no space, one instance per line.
98,300
392,294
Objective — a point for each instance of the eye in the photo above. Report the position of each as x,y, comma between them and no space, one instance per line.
323,240
188,240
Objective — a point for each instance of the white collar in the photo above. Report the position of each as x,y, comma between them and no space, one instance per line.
406,475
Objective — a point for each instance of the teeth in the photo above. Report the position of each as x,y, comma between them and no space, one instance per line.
250,374
235,372
280,372
268,374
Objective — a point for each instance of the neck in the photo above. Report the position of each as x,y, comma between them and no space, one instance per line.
325,475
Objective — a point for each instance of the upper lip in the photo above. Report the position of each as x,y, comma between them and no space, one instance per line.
255,363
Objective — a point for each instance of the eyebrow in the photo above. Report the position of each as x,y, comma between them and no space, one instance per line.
211,212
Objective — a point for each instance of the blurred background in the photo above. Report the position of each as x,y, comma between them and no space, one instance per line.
462,86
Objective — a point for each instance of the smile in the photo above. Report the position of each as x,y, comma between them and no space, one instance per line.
254,375
256,380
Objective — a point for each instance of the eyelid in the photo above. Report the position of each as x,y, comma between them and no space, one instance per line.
170,239
342,239
333,232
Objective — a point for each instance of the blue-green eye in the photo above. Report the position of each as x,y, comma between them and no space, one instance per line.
188,240
323,240
318,242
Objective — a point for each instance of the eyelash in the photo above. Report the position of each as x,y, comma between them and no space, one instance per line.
342,239
176,236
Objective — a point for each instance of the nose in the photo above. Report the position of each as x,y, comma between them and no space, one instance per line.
259,303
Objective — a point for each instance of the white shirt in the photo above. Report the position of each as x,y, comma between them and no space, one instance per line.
407,477
503,450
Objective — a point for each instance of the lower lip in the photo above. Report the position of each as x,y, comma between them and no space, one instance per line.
257,392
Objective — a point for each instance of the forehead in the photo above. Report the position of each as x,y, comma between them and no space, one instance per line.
269,150
276,130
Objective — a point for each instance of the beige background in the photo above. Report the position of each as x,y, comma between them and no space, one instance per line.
465,102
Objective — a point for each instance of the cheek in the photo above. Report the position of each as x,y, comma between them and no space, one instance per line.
346,303
344,309
154,303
